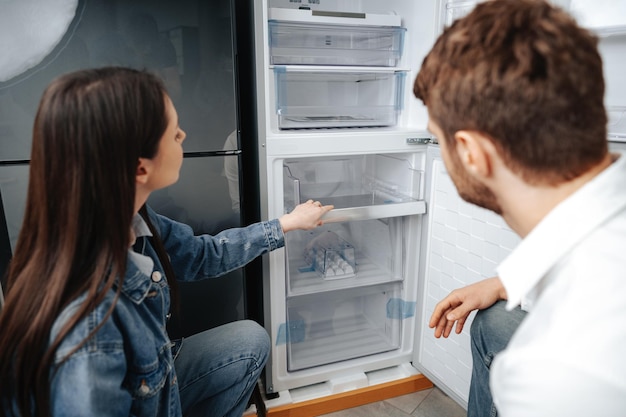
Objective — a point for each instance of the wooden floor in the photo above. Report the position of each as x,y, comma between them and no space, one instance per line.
351,399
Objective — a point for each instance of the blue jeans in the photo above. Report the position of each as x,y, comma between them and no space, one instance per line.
218,369
491,331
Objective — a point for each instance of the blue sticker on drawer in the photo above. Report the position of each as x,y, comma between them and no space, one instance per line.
292,332
397,308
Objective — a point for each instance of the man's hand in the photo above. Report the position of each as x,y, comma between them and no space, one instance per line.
458,305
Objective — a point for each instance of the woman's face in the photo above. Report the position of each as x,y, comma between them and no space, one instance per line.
169,157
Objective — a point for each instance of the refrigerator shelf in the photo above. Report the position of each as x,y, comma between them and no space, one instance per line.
306,282
379,211
358,186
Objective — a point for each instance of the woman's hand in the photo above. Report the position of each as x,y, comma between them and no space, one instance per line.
305,216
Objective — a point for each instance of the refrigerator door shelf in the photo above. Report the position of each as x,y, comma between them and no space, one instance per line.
617,123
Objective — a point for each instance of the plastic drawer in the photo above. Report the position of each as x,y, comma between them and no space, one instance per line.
315,44
327,99
341,325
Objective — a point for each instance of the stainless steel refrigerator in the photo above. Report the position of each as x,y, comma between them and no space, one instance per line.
202,50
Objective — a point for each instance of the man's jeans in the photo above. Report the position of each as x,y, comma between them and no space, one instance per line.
491,331
218,369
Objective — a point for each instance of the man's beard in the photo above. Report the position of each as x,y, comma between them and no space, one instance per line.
468,188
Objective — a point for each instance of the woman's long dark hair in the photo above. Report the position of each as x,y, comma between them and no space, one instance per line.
91,128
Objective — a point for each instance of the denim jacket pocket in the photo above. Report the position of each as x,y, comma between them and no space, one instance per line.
147,381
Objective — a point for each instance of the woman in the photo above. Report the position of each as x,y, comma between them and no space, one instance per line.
83,328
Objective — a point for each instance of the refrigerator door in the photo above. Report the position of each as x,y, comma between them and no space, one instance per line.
462,244
190,45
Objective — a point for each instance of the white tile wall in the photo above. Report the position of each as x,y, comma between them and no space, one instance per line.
466,244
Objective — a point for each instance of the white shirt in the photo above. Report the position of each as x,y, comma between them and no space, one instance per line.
568,357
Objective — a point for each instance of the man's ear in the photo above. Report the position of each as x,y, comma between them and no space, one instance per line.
143,170
475,152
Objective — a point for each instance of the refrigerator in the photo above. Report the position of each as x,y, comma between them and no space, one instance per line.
347,304
202,51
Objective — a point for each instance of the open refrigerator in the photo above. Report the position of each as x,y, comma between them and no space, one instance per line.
347,304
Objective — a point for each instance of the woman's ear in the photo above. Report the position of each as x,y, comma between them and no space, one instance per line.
143,170
475,152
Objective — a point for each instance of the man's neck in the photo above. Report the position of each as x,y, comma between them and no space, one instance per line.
524,205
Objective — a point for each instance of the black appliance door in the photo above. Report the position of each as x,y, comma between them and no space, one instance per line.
192,45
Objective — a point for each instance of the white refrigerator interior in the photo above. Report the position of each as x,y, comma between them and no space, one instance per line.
347,304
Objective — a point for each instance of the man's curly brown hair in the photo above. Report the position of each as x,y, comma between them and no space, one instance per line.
526,75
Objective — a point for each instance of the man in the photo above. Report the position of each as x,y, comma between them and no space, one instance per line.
514,93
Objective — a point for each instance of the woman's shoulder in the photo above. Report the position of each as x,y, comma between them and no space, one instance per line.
95,332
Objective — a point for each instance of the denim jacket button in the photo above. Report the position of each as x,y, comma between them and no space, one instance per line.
156,276
144,389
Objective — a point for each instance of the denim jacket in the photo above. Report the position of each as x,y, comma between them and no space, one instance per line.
126,368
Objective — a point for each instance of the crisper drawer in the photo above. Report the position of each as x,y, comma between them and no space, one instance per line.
330,99
319,44
341,325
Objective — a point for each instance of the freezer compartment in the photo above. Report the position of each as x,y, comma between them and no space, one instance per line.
333,99
356,181
341,325
345,255
318,44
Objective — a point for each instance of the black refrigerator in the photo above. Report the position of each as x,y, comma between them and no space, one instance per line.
203,51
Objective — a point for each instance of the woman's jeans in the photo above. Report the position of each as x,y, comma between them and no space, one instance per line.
491,331
218,369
